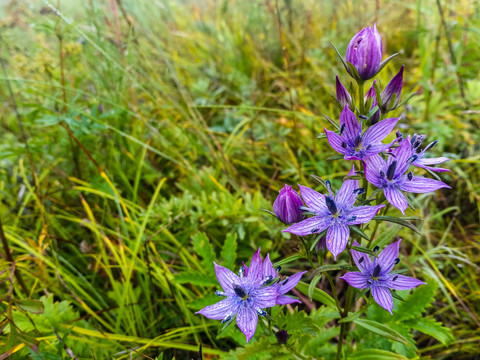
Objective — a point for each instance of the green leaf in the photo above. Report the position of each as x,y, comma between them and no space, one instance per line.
335,157
204,248
375,354
318,295
317,239
386,61
332,267
313,285
364,250
398,220
357,230
195,278
333,122
433,328
382,330
229,250
31,306
287,260
417,302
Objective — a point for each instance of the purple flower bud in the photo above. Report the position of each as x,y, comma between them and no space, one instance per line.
282,336
370,95
287,204
343,97
365,52
394,87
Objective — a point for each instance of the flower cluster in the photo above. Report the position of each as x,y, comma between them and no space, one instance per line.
249,293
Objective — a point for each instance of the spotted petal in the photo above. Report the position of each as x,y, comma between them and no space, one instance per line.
247,321
376,133
226,278
396,198
337,238
356,279
313,225
365,265
335,142
352,126
373,165
362,214
386,259
289,283
345,195
314,200
419,184
383,297
220,310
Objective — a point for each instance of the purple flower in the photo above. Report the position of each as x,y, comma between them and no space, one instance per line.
377,275
365,52
287,204
249,293
343,97
419,159
356,145
334,213
371,95
394,88
283,286
391,176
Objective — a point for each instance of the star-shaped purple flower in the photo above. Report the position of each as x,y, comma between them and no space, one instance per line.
377,275
391,176
283,286
355,144
334,213
420,160
249,293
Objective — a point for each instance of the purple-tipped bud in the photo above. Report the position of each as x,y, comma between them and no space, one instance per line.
287,204
365,52
370,96
343,97
393,89
282,336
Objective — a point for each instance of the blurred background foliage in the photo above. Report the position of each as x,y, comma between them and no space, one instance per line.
140,139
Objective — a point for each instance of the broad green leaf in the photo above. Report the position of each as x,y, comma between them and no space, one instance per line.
382,330
229,250
313,285
416,303
318,295
433,328
204,248
31,306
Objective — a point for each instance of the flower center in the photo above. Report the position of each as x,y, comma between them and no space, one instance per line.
240,292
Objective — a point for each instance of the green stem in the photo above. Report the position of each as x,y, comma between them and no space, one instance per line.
334,292
361,101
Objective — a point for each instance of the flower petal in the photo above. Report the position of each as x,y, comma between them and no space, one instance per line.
289,283
386,259
265,296
356,279
363,214
226,278
383,297
285,300
247,321
345,195
432,161
401,154
419,184
268,269
376,133
255,268
373,165
352,126
314,200
220,310
335,141
396,198
402,282
313,225
337,238
364,265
